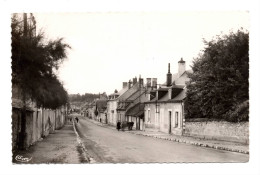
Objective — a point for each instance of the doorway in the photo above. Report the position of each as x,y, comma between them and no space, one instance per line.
170,122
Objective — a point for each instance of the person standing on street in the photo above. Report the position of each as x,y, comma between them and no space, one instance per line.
118,125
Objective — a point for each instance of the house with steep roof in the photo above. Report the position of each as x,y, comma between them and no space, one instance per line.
137,95
164,111
135,114
112,103
131,109
101,106
90,110
125,101
119,102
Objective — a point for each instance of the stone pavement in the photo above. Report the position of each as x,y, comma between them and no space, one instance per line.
215,144
59,147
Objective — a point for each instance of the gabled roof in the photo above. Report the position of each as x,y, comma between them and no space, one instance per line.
137,110
129,92
135,95
101,105
122,91
178,94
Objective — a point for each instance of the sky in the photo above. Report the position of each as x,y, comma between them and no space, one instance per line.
111,48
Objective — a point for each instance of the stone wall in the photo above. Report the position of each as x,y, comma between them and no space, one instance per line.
16,127
39,123
59,118
219,130
29,129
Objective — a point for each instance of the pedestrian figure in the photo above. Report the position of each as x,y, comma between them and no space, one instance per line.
118,125
100,120
77,119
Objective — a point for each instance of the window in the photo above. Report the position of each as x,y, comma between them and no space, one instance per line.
176,119
149,115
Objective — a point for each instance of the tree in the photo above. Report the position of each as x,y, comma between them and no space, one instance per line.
219,83
87,97
34,60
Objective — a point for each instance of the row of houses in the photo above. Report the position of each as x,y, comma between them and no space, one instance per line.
40,122
149,105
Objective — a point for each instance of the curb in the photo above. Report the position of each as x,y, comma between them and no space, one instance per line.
195,143
87,157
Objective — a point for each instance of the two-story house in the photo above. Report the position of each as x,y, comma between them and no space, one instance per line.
164,111
112,104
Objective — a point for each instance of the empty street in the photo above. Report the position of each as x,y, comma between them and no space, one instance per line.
106,145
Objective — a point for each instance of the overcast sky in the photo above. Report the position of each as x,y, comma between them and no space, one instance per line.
110,48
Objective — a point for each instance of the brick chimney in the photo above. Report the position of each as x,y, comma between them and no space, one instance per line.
181,68
124,85
129,84
148,82
141,81
168,77
154,83
134,81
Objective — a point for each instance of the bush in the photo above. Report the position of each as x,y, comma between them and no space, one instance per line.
239,113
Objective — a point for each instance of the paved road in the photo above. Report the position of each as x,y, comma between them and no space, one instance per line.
106,145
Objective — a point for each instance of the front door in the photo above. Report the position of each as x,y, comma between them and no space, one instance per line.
137,123
141,124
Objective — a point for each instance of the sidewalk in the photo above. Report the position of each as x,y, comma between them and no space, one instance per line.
59,147
215,144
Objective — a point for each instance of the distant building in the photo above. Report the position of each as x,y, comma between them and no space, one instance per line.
112,103
124,101
101,106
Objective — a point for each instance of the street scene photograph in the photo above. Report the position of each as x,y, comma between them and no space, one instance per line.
130,87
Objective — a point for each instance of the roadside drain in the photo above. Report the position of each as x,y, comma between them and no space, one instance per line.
84,156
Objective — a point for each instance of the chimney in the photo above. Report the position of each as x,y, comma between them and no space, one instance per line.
154,83
124,85
129,84
148,82
182,67
134,81
169,76
141,81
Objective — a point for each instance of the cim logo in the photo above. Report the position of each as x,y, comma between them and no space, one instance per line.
22,159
